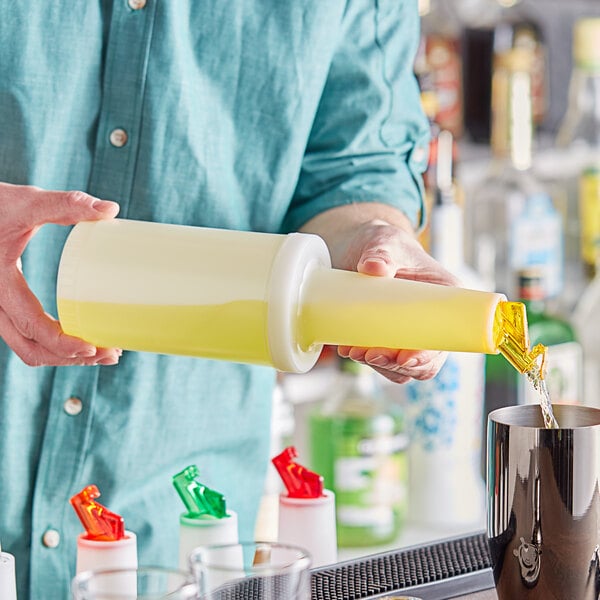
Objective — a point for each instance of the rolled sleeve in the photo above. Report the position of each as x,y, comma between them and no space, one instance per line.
369,140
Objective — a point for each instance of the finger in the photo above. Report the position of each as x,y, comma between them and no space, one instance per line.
35,206
33,354
31,322
377,262
411,364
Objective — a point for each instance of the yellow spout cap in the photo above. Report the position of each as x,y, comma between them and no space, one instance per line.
512,337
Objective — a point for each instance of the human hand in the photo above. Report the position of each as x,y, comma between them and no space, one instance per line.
35,336
380,249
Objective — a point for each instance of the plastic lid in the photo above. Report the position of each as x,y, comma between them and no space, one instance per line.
586,43
99,523
298,255
298,480
199,500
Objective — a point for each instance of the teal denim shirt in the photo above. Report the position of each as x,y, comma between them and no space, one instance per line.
242,114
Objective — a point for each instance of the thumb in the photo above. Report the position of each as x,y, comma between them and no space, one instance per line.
376,260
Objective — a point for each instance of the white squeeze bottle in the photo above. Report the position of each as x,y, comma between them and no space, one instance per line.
8,586
260,298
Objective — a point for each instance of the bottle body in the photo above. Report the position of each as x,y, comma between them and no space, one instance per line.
440,49
585,318
579,139
187,290
8,586
359,446
445,414
491,30
250,297
513,223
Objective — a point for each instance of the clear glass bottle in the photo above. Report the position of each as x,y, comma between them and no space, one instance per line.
440,48
564,357
585,318
493,27
358,444
512,221
579,137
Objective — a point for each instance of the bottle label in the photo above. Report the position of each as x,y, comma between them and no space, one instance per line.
443,57
536,240
589,203
440,418
564,376
370,476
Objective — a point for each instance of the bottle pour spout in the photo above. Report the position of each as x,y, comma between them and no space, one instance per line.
512,337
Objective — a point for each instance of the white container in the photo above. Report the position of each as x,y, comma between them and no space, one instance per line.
97,555
250,297
310,524
8,586
207,531
93,555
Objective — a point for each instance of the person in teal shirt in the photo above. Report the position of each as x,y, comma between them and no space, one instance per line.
264,115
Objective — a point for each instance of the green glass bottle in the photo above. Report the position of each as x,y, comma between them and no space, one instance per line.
358,445
504,386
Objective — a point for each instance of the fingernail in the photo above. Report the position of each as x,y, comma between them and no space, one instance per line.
109,360
379,361
85,353
411,362
103,205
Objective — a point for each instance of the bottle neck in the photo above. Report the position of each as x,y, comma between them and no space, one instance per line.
447,234
512,122
582,119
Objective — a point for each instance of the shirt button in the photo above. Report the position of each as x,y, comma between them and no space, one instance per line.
118,137
73,406
51,538
136,4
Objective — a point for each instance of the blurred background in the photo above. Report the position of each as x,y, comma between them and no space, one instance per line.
512,93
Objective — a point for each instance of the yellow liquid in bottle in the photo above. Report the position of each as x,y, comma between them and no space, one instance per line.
234,331
345,308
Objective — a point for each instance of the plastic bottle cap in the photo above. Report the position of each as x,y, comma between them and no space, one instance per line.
298,480
98,522
199,500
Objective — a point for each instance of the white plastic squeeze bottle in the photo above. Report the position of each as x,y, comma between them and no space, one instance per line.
257,298
8,588
105,543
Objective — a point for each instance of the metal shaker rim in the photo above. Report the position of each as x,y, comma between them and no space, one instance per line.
569,416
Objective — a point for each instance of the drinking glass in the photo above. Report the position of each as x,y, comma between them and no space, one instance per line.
252,570
143,583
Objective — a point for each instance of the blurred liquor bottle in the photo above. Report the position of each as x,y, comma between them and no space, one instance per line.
445,414
435,177
585,320
579,139
512,222
440,51
504,386
493,27
358,444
